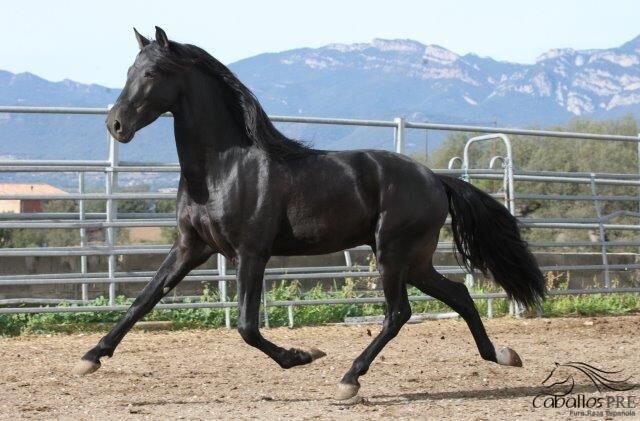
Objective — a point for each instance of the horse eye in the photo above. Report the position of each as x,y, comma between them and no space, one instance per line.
148,74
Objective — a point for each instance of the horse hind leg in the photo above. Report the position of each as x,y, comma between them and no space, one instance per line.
397,313
456,296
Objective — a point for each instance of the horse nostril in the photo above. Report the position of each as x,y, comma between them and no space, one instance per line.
116,126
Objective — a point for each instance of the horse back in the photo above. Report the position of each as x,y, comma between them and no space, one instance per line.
335,200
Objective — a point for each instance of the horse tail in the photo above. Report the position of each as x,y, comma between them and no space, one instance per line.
487,237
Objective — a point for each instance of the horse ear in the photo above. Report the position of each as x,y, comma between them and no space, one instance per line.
161,38
142,41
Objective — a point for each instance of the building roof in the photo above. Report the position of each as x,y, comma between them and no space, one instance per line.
29,188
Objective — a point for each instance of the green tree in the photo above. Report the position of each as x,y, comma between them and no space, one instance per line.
566,155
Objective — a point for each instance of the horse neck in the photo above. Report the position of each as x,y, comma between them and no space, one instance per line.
205,130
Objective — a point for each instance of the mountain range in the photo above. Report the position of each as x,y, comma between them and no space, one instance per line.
381,79
387,78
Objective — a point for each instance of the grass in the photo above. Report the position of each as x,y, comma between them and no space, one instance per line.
580,305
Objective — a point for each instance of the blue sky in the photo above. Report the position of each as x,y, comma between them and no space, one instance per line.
93,42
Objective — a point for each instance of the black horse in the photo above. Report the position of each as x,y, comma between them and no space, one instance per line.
250,193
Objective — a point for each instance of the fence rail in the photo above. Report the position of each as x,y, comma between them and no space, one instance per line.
111,220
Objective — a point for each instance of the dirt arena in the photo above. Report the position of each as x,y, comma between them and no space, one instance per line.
430,371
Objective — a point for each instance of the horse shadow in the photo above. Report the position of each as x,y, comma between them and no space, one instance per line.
478,394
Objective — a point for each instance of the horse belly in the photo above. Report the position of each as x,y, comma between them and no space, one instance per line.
327,227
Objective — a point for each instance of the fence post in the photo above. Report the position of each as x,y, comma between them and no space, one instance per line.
638,143
83,238
602,235
290,315
398,138
515,309
222,286
347,260
111,211
510,182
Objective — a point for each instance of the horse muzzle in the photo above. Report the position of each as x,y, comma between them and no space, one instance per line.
120,131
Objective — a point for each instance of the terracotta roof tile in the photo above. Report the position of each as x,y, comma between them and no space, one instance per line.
29,188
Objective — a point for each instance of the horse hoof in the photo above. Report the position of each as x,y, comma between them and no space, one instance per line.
85,367
316,354
507,356
346,391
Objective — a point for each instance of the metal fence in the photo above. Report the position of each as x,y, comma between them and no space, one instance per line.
111,219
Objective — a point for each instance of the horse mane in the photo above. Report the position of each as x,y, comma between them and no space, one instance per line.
243,104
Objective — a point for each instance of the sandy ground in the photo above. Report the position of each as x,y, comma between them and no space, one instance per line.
430,371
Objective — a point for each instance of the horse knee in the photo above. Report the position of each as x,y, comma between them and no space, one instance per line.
394,321
404,314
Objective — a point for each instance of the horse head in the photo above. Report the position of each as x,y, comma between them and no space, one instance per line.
152,87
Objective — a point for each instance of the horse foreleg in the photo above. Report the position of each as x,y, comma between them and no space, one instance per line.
181,260
250,274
